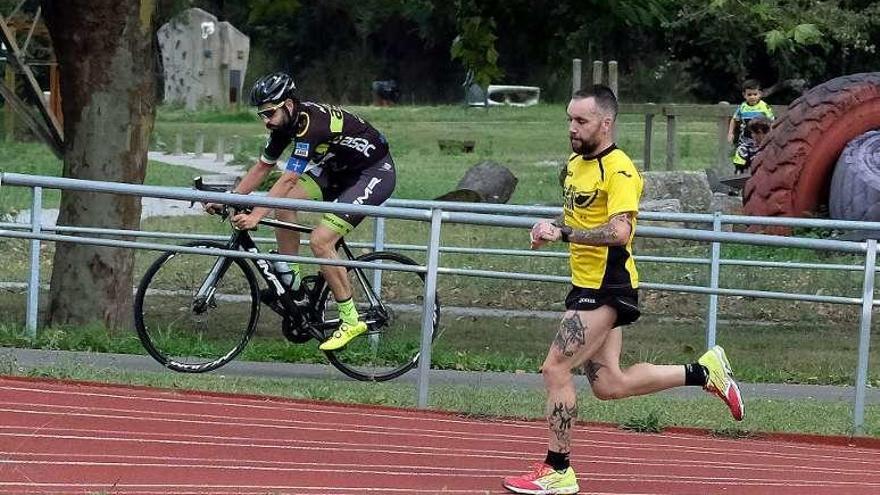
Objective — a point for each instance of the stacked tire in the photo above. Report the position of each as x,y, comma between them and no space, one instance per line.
792,173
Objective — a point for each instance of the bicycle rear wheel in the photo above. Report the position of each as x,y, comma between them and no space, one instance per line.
392,343
194,334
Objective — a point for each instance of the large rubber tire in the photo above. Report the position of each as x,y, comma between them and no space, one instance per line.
855,186
791,175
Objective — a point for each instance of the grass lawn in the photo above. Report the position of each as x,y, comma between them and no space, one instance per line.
768,340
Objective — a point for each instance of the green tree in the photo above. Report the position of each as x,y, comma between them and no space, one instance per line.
726,41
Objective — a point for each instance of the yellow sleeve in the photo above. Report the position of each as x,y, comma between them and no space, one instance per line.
624,189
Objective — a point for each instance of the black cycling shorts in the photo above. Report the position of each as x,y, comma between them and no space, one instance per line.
624,300
369,186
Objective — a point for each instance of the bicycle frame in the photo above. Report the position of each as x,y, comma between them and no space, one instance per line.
241,240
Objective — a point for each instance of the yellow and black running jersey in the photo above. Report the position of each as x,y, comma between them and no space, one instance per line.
595,189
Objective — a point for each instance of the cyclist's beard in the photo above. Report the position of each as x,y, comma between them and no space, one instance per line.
286,122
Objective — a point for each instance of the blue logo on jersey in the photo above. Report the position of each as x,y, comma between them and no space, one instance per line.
296,165
301,149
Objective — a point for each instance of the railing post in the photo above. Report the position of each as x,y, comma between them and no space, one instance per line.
33,293
378,245
178,144
864,336
671,150
714,272
575,75
433,262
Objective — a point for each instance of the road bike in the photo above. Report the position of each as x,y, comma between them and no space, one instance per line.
195,312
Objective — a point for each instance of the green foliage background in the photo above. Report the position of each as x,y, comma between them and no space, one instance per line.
668,50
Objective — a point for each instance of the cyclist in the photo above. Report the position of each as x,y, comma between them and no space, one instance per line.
335,156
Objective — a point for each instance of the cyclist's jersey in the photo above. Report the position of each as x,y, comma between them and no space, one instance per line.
595,189
328,139
745,112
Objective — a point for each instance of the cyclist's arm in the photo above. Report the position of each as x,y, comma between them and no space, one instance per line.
280,189
254,177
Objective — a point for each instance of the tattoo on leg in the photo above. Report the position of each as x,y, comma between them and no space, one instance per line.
571,335
591,369
561,419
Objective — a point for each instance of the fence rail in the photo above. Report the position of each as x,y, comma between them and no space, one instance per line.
492,215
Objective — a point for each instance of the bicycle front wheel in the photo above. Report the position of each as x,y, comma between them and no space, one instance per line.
188,325
392,306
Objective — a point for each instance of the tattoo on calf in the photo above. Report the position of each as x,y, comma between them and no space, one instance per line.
571,335
591,369
561,419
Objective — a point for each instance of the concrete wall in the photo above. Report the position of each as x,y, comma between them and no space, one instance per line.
205,60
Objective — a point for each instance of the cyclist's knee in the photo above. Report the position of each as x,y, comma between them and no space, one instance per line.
323,241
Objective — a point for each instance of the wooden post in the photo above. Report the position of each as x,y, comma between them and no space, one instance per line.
597,71
9,114
612,84
221,150
200,143
670,142
178,144
575,75
612,77
55,93
236,144
723,147
649,139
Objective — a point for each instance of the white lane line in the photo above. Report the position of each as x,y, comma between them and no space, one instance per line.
163,489
272,404
298,426
602,461
488,474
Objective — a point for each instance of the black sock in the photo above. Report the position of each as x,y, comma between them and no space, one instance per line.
557,460
695,374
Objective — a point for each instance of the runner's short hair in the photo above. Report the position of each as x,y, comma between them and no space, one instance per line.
603,95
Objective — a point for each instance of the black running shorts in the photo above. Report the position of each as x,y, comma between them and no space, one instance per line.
624,300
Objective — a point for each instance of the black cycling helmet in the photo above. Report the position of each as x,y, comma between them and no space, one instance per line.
272,88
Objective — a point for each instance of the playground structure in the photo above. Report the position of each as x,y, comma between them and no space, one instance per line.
205,60
46,121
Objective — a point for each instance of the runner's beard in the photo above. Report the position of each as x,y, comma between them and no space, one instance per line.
584,147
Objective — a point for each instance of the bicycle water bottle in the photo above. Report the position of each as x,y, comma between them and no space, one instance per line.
285,274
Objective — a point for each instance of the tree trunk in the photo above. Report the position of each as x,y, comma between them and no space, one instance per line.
106,57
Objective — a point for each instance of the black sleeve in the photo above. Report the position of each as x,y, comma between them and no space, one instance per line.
275,145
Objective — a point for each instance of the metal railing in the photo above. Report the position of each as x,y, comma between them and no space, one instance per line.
480,214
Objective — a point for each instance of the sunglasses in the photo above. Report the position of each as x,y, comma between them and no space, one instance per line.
268,112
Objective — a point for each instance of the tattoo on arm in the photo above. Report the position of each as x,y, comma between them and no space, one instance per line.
571,336
561,418
606,234
591,369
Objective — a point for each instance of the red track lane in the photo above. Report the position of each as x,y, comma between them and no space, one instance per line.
67,437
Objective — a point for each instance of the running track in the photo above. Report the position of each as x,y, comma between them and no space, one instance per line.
84,438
